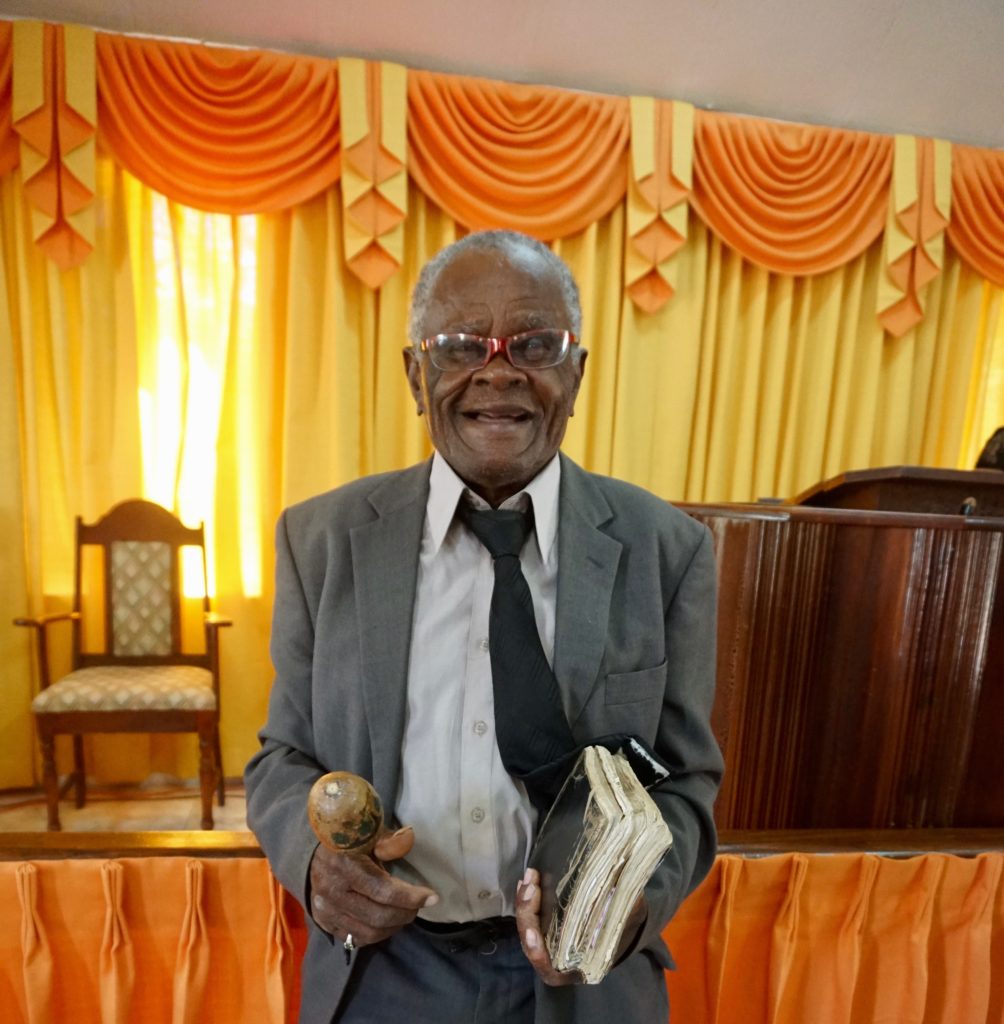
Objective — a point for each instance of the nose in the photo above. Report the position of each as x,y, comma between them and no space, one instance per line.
499,372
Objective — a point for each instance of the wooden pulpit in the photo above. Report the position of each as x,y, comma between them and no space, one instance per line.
911,489
860,666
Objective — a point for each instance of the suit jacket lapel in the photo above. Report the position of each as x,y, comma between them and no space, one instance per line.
385,555
587,567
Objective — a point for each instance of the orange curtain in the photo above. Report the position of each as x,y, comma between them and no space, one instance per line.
236,131
230,131
976,229
831,939
546,161
842,939
792,198
148,940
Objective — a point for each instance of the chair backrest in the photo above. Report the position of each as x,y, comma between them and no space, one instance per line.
141,567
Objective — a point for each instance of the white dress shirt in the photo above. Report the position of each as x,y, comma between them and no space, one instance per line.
473,822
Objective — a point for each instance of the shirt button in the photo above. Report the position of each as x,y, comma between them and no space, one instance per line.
477,815
483,643
485,894
480,728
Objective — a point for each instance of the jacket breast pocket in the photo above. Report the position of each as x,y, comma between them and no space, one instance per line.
643,684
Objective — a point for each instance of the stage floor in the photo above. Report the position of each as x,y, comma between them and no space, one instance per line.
158,804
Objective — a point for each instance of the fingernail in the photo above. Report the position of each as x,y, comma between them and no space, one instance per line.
318,903
527,893
532,939
527,876
431,901
404,828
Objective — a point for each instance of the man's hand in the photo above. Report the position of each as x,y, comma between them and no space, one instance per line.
355,895
528,923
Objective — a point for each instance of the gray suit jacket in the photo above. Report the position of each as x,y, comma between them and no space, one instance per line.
634,652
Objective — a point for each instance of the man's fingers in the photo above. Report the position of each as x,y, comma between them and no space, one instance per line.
352,873
355,894
528,922
395,845
372,881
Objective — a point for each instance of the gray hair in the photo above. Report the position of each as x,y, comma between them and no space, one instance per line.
509,243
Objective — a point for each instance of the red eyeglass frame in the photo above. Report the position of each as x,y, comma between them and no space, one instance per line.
500,345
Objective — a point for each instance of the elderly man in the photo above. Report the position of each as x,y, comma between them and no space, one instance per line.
388,663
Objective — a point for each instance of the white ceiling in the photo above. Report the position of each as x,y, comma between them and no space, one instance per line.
929,67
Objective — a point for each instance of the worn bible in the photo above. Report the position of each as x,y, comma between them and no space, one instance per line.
597,848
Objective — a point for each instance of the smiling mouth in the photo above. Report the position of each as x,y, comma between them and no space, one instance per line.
500,417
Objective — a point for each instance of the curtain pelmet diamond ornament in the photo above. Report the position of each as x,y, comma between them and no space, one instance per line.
374,166
54,113
659,186
920,202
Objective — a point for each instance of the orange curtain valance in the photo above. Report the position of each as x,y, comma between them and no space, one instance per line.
247,131
546,161
976,229
793,198
232,131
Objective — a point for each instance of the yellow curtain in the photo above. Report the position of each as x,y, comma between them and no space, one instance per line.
227,366
751,384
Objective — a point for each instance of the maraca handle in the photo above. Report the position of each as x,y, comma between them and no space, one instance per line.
345,813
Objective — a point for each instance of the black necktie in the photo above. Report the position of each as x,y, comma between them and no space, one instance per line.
530,723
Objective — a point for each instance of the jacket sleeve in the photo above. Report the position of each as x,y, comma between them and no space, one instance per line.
279,776
686,742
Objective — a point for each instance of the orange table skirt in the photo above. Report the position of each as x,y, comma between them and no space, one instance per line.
813,939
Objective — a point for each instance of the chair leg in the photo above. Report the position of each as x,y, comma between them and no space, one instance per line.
220,794
207,774
50,780
79,779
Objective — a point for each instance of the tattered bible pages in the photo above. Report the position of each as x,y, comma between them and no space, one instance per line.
597,849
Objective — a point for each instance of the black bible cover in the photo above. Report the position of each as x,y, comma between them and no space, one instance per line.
596,850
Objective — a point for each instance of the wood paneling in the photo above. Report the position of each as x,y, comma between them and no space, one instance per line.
859,657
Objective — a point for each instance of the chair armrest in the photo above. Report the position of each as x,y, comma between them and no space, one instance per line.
214,621
41,633
44,620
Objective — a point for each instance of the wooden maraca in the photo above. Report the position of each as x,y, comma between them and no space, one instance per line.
345,813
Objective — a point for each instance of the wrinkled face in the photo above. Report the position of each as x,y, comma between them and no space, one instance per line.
497,426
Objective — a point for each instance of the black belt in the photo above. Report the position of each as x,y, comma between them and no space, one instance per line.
456,937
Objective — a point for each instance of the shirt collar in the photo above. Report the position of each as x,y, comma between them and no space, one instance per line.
446,488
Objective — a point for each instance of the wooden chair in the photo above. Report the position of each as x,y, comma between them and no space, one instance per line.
141,680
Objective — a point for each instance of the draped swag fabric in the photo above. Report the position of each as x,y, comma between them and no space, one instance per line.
219,129
846,939
791,198
228,363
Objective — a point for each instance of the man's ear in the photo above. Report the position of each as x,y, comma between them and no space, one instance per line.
580,368
413,371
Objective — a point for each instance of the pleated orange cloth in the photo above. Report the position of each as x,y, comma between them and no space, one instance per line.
789,939
842,939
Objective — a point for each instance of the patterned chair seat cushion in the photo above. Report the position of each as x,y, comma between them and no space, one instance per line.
130,688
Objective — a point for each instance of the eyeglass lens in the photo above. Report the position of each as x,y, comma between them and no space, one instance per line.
532,350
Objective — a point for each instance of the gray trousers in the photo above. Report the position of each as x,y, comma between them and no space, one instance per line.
420,977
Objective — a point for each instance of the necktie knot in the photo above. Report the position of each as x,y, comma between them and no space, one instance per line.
502,531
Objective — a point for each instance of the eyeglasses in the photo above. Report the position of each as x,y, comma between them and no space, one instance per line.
531,350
